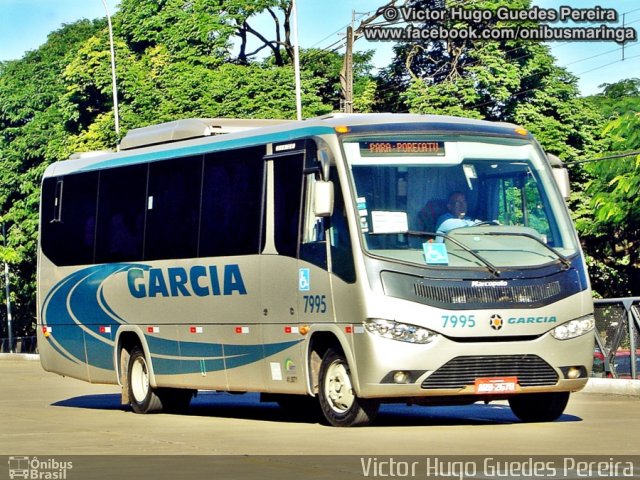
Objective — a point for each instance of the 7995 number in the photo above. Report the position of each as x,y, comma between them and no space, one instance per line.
315,303
458,321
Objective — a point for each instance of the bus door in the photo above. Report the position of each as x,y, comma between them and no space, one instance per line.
295,283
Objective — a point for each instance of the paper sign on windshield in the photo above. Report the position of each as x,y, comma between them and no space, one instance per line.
389,222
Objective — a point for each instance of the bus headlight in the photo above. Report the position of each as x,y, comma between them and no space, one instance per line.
574,328
403,332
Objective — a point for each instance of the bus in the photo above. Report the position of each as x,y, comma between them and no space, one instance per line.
302,260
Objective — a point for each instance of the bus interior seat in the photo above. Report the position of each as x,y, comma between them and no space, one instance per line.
428,215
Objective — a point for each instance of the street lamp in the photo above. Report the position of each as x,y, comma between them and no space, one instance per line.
113,73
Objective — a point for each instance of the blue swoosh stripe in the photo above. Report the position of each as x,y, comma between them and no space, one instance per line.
191,353
81,296
78,296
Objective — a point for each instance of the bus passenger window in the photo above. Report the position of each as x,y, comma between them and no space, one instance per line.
342,263
173,208
68,228
313,246
121,209
288,196
232,191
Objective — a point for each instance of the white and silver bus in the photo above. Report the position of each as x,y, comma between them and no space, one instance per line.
305,260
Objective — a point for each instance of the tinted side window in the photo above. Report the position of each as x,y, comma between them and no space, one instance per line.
68,220
313,245
121,210
342,262
173,209
288,197
232,209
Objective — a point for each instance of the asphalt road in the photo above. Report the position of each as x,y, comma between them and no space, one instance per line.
45,414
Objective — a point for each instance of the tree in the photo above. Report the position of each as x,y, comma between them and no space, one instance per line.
609,215
617,98
32,135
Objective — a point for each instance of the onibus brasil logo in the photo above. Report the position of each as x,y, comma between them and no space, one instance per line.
36,469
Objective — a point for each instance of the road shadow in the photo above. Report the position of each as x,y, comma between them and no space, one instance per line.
109,401
248,407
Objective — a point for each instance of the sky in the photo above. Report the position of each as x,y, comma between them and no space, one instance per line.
25,24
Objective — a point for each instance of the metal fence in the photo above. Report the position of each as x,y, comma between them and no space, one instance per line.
617,334
19,345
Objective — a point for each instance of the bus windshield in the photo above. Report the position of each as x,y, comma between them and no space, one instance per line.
458,201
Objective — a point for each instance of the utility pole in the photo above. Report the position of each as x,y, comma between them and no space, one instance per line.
7,292
346,75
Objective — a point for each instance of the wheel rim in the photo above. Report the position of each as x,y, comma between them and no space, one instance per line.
338,389
139,379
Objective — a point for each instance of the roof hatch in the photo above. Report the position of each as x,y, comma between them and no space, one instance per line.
189,128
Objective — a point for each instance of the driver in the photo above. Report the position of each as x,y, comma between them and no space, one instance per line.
455,217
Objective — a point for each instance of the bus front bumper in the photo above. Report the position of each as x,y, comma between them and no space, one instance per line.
448,368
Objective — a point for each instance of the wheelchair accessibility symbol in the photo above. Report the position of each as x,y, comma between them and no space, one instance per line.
435,253
304,282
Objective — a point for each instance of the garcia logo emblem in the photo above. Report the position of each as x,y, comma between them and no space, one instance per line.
496,321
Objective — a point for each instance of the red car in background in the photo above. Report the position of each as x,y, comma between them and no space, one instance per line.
621,364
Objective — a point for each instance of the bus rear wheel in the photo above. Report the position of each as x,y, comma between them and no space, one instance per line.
539,407
339,403
142,396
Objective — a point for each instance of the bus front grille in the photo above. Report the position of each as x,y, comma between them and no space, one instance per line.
517,294
461,372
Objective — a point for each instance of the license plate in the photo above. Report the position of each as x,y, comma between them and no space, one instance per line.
496,385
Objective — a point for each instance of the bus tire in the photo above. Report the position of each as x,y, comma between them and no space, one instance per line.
142,397
338,401
539,407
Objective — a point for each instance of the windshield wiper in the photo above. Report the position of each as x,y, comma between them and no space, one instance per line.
490,266
565,261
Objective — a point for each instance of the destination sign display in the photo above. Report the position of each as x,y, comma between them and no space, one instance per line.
402,148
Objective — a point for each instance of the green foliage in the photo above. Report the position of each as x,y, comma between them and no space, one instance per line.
32,135
195,30
326,68
607,211
618,98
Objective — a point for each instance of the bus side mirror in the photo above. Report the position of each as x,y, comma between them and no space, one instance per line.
560,175
323,199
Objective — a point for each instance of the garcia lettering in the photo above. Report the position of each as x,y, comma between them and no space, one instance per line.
551,319
199,281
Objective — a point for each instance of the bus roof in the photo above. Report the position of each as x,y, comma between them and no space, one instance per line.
197,136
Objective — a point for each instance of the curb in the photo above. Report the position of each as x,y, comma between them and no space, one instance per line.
613,386
20,356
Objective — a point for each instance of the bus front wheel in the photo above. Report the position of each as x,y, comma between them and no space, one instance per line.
142,396
539,407
338,400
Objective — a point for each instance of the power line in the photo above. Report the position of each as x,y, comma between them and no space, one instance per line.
341,29
609,157
610,63
341,43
